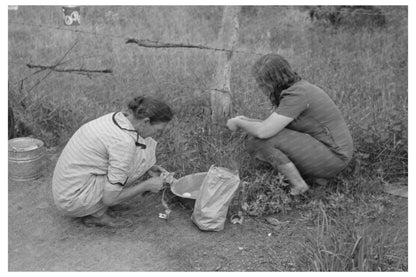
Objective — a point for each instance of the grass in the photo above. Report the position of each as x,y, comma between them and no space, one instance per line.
338,243
364,70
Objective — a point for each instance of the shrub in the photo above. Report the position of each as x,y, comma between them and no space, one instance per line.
348,16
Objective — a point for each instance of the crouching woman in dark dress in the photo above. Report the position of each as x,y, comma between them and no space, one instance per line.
305,135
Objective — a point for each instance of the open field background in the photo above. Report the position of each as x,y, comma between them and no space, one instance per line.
363,67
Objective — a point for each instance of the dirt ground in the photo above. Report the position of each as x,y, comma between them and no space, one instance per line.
40,239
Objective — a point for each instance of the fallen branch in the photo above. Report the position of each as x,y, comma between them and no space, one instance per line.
80,70
156,44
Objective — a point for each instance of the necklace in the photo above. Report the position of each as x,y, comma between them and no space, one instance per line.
143,146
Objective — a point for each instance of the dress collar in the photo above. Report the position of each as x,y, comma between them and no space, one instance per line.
121,121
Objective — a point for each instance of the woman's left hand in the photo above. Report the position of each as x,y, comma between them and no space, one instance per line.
232,123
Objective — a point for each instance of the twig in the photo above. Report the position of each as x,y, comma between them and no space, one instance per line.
58,63
80,70
39,81
61,62
156,44
67,52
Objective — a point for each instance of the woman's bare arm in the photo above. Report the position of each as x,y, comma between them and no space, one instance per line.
262,129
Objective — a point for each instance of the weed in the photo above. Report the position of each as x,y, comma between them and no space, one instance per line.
348,16
337,244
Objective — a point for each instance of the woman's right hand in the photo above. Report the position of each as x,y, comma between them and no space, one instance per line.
154,184
232,124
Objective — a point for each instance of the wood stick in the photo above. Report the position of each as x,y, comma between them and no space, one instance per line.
156,44
76,70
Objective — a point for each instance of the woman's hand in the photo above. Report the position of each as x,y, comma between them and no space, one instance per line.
154,184
156,170
232,123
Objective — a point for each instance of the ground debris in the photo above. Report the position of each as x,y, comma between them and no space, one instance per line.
274,221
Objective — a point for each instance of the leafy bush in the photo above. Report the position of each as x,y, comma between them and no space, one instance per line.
384,149
42,118
348,16
265,192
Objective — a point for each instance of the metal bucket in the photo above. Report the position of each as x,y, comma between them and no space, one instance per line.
188,186
25,158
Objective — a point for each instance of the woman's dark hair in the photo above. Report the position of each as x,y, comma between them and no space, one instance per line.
156,110
274,72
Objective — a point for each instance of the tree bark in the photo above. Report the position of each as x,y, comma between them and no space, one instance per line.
221,93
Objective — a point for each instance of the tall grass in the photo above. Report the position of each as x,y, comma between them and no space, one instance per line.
337,244
364,71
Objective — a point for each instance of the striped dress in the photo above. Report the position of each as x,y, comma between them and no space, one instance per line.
99,156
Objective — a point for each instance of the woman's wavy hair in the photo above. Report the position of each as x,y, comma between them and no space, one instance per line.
275,73
157,111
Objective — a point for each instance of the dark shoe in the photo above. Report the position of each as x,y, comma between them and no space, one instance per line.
119,208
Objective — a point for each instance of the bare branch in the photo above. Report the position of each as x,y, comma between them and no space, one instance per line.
39,81
69,70
156,44
67,52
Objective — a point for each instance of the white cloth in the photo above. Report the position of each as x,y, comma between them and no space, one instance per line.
143,160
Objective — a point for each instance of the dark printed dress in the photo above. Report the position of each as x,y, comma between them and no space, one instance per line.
317,141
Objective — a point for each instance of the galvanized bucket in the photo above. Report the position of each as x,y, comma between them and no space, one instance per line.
25,158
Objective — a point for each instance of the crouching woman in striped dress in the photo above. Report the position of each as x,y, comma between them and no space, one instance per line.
101,163
305,135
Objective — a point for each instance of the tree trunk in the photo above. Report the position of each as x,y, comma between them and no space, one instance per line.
220,92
